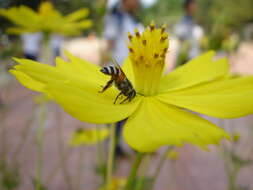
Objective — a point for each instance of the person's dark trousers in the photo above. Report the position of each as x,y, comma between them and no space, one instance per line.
31,56
118,150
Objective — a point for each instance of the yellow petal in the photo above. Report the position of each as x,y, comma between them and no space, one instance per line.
42,73
85,68
27,81
84,24
19,30
228,98
75,86
77,15
199,70
155,124
88,105
86,73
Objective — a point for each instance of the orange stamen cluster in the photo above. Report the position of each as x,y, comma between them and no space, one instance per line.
150,47
147,52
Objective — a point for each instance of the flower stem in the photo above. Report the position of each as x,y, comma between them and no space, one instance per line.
46,54
133,172
159,166
100,153
40,139
110,156
143,171
63,154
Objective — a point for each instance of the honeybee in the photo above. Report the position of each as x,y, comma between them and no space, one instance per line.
119,79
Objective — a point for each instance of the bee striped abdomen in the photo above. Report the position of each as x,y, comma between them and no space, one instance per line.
119,79
110,70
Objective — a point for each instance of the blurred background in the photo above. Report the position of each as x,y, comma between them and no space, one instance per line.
29,157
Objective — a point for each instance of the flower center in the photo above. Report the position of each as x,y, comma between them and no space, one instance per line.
147,54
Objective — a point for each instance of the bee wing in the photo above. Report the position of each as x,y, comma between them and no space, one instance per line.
118,66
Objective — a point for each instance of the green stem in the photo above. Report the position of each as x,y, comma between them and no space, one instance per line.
46,56
80,169
143,171
159,166
24,137
110,156
3,148
40,139
100,155
63,154
133,172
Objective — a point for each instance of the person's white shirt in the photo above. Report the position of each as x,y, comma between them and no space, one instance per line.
188,30
31,43
56,42
118,32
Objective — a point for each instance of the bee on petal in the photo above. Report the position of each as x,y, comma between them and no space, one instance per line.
119,79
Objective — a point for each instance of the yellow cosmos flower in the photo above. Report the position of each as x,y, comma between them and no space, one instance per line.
159,114
88,136
173,155
115,184
47,20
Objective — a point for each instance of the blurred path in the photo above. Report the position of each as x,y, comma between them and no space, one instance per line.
242,61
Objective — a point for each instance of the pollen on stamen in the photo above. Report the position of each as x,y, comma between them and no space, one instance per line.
163,55
144,42
137,33
163,28
148,47
152,26
156,55
163,39
130,36
131,50
147,53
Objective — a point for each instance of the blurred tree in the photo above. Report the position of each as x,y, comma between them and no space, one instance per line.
219,18
222,18
163,11
33,4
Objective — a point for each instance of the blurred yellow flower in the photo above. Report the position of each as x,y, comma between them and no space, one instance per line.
159,115
88,136
47,20
173,155
116,184
236,137
41,99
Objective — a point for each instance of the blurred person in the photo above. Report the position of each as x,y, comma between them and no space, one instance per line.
189,33
31,45
30,41
56,42
119,21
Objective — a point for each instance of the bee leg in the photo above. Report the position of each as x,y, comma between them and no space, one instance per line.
117,97
127,98
108,84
